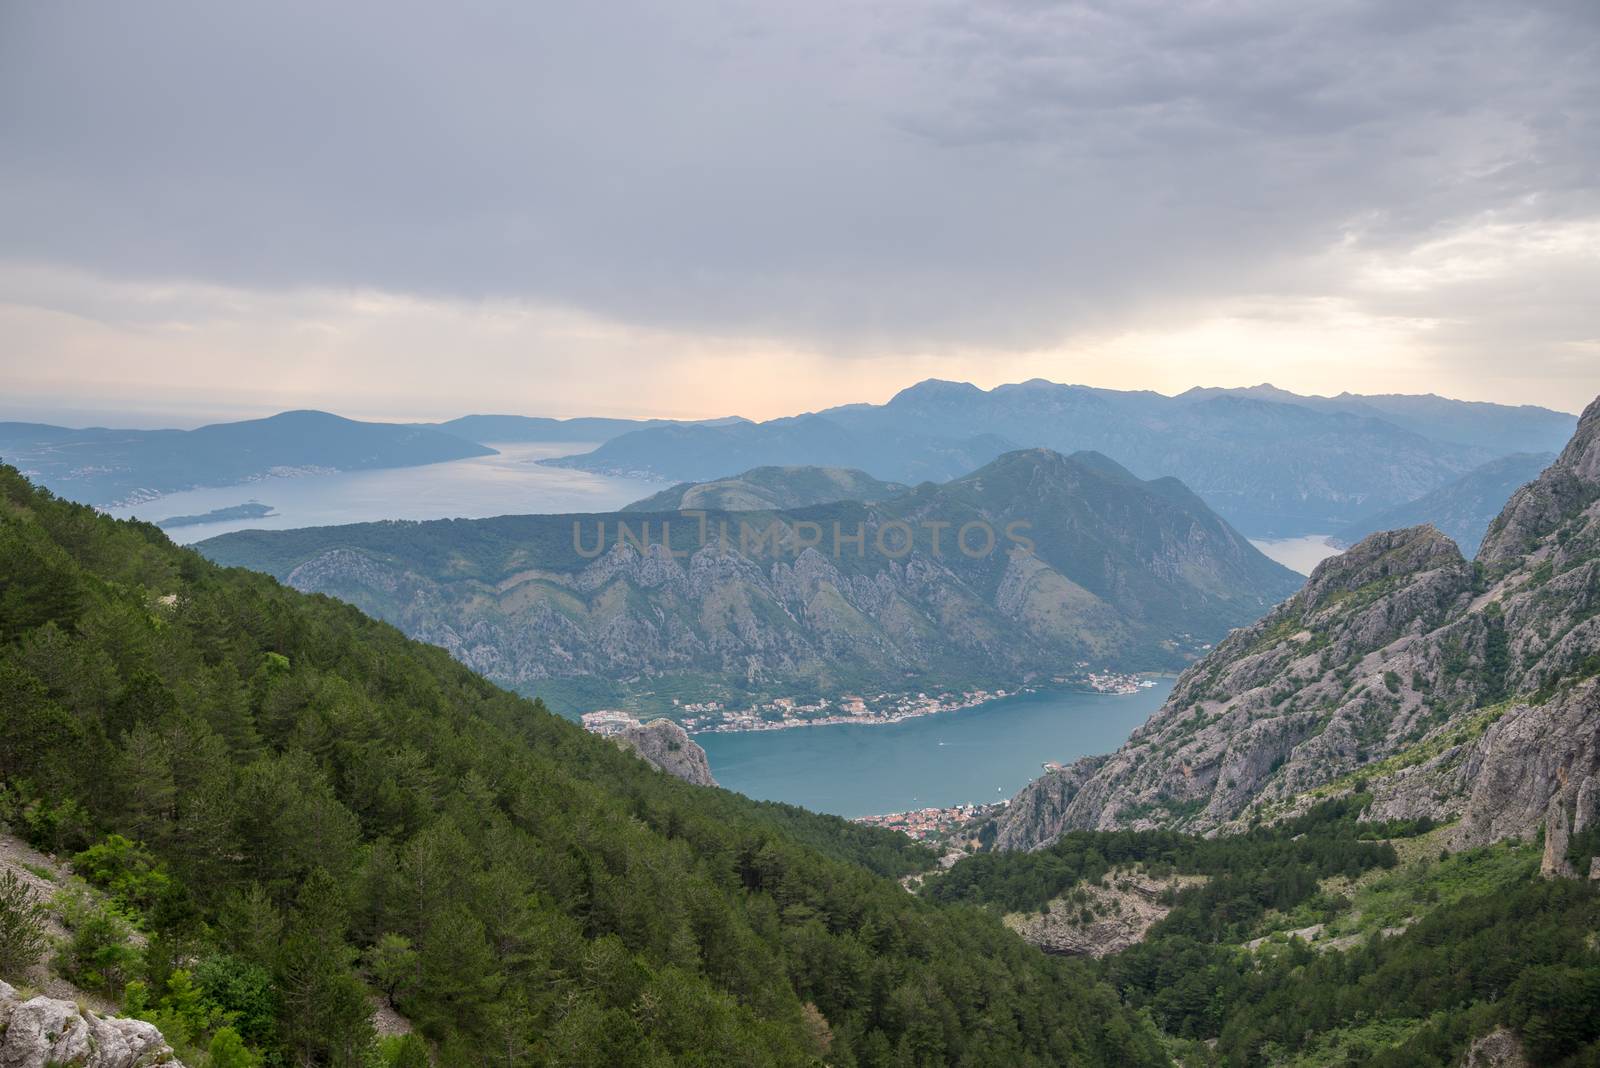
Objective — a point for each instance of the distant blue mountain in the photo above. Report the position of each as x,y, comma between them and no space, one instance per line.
1501,429
1462,509
703,453
103,466
1272,462
509,428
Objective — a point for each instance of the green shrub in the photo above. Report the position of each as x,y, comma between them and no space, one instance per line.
100,955
227,1050
22,926
127,870
243,992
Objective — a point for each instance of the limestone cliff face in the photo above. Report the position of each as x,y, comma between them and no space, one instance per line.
668,746
39,1032
1463,691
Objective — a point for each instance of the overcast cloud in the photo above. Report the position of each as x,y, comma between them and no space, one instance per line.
760,207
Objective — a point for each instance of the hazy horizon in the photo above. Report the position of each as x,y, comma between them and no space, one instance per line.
136,418
693,211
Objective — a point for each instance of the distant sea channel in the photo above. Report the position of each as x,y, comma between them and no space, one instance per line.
981,754
1301,554
510,483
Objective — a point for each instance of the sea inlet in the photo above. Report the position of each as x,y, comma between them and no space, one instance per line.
980,755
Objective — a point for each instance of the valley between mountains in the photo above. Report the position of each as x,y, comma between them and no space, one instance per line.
1033,567
1364,828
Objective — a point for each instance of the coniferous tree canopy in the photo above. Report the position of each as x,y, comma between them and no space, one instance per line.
306,813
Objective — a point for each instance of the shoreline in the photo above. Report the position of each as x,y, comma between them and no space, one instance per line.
712,718
938,763
862,721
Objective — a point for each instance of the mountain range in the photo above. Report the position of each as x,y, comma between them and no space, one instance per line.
1273,463
510,428
1463,692
912,453
1022,570
103,467
1494,428
1463,509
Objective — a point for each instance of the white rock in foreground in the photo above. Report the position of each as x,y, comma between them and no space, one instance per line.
44,1031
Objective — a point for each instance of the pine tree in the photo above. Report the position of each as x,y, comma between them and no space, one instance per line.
22,926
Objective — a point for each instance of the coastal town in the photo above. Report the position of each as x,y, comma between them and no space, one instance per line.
782,713
1109,682
711,717
955,827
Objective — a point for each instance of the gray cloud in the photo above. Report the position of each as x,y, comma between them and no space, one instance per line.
852,176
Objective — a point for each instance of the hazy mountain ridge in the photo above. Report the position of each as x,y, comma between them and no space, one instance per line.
1497,428
1271,462
1462,509
1120,571
104,466
1455,690
685,453
509,428
771,488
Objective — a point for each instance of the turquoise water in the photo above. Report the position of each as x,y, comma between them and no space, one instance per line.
979,754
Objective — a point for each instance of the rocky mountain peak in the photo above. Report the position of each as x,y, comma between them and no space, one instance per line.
1565,489
1386,554
1582,454
1467,694
936,390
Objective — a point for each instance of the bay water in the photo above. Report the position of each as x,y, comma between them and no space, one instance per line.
981,754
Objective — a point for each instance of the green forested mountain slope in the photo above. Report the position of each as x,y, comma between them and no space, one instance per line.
325,806
1323,940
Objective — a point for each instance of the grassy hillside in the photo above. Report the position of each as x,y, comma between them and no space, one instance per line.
296,806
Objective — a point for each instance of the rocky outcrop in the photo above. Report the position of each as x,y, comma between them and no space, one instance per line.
1497,1049
668,746
1038,814
1575,805
1570,485
40,1032
1100,918
1454,690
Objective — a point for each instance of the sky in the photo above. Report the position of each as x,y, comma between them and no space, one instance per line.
648,207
